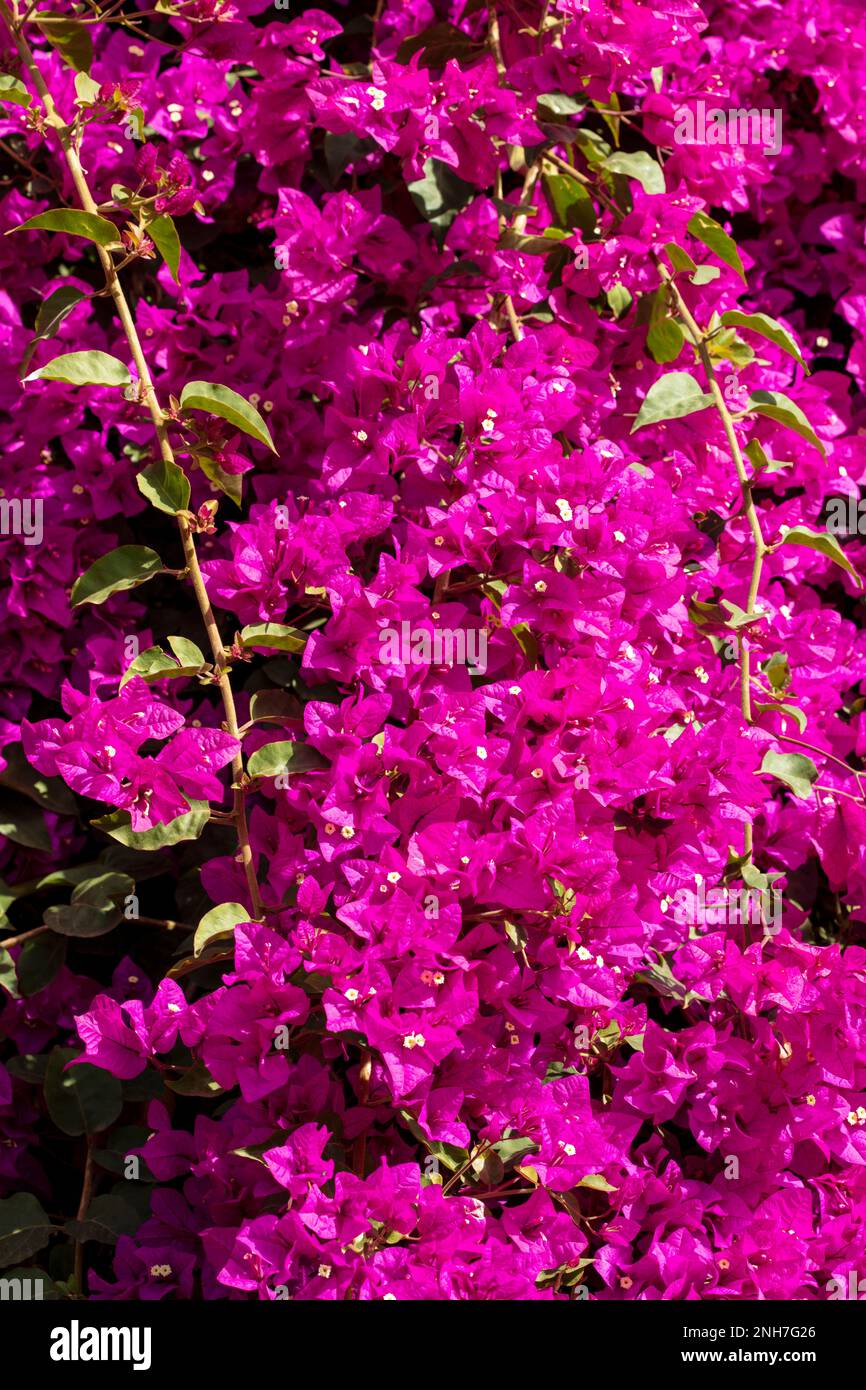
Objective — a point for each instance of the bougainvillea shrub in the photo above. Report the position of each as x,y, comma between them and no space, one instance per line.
432,820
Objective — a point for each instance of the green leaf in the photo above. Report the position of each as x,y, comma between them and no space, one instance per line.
165,485
641,166
195,1082
51,793
124,568
103,889
283,756
437,44
228,405
187,653
796,771
219,922
619,299
107,1218
510,1150
230,483
776,406
705,273
275,636
118,1146
39,963
156,665
83,1099
273,704
552,105
73,222
792,711
767,328
596,1182
86,90
570,203
824,542
672,396
440,193
81,919
84,369
163,234
8,974
51,314
13,91
679,259
665,340
71,39
186,827
22,821
25,1227
705,229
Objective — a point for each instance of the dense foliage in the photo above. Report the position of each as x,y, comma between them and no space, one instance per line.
471,903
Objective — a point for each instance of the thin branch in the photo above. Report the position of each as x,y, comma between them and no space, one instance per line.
149,396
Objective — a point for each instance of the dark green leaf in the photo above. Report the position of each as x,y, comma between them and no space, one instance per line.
81,919
440,193
22,821
51,314
197,1081
83,1099
39,962
24,1228
107,1218
51,793
124,568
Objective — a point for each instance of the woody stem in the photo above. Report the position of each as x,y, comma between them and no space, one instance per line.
149,396
699,342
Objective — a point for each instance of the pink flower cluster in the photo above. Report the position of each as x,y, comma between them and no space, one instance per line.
469,1049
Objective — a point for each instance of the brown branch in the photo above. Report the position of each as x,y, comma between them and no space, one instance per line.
149,396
